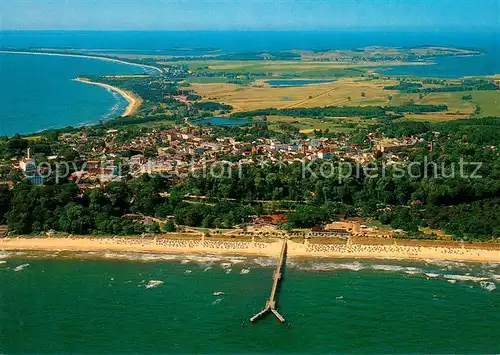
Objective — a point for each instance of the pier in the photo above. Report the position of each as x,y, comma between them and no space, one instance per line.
271,301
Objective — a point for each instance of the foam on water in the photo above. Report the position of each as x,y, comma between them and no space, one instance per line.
432,275
465,278
488,286
237,260
217,301
139,256
265,262
21,267
447,264
445,270
390,268
495,277
329,266
183,258
440,270
153,284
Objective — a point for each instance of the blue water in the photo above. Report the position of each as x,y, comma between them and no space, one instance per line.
450,67
38,92
244,41
278,82
222,121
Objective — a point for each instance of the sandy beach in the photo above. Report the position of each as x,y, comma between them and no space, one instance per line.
161,245
85,56
134,101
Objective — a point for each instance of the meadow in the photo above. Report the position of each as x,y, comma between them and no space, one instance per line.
308,125
311,69
343,92
355,84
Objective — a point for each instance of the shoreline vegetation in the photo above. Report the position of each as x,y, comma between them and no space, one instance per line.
134,101
399,250
114,60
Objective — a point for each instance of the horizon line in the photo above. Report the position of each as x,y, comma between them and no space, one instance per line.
371,28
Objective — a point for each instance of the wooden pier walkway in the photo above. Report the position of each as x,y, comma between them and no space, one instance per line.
271,301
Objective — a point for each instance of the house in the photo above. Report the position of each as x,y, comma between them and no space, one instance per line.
138,159
36,179
276,218
325,154
340,226
395,145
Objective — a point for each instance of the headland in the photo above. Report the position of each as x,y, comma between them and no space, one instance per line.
114,60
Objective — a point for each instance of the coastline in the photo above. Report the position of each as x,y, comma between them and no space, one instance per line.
400,250
134,101
84,56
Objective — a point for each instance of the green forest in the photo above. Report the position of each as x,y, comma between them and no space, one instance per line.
467,208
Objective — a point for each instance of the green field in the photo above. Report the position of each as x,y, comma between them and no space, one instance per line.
276,68
489,101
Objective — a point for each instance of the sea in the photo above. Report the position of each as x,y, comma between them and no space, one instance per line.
136,303
37,92
145,303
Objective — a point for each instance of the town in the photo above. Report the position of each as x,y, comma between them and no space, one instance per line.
179,151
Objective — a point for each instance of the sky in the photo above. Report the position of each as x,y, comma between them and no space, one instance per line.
247,14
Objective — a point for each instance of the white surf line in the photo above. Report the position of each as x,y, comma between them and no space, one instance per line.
133,102
84,56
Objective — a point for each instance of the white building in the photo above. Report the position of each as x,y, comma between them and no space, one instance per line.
27,164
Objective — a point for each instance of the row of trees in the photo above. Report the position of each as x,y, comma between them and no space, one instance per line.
465,85
345,111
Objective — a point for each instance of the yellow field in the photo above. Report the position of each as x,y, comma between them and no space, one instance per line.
307,125
345,91
261,95
435,117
